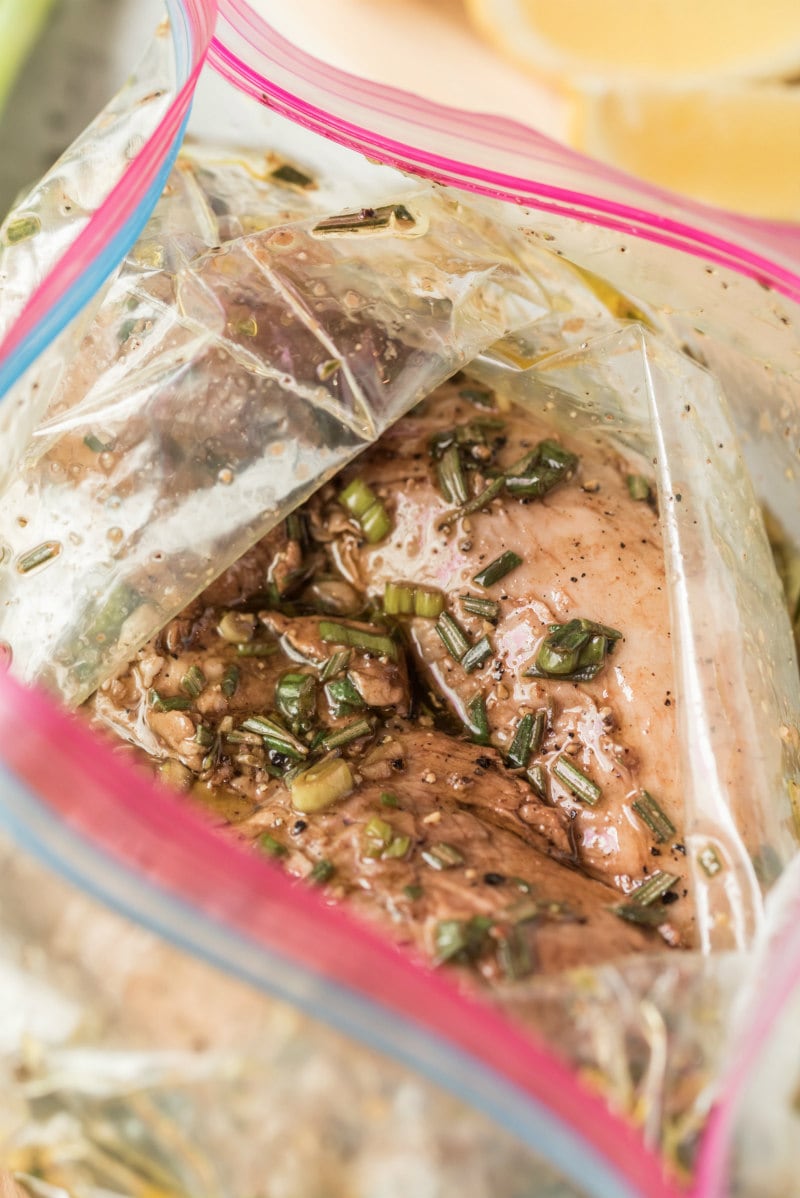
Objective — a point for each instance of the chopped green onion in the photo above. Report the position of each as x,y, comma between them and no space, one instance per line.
575,780
377,837
389,800
498,569
257,649
230,681
487,609
343,698
537,736
452,636
176,703
575,651
399,847
376,523
271,846
638,486
478,721
482,500
538,779
335,664
237,627
193,681
649,917
548,465
358,498
204,736
275,737
296,527
478,655
428,604
291,175
514,955
709,861
316,788
23,227
442,856
520,750
367,220
38,556
95,444
344,736
296,697
358,638
451,476
651,814
413,892
398,599
461,937
322,872
653,888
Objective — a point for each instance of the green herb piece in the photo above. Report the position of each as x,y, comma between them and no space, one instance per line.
358,498
653,888
540,471
428,604
257,649
236,627
498,569
317,787
398,599
477,396
294,177
709,861
638,486
575,651
22,228
478,721
204,736
478,655
368,220
480,501
537,735
514,955
450,473
276,738
442,856
461,938
452,636
538,779
575,780
520,750
376,523
296,528
296,697
487,609
399,847
272,847
230,681
38,556
95,444
413,893
358,638
322,872
377,837
344,736
649,917
343,698
193,681
389,800
174,703
651,814
335,664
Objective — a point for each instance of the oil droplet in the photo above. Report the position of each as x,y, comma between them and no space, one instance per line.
225,476
6,656
351,299
281,239
22,521
106,460
115,534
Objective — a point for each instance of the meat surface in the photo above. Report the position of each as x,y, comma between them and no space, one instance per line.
458,849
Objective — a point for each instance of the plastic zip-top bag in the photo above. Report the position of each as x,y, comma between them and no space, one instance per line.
393,482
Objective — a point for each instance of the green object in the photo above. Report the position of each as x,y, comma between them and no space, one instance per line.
582,787
478,655
498,569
